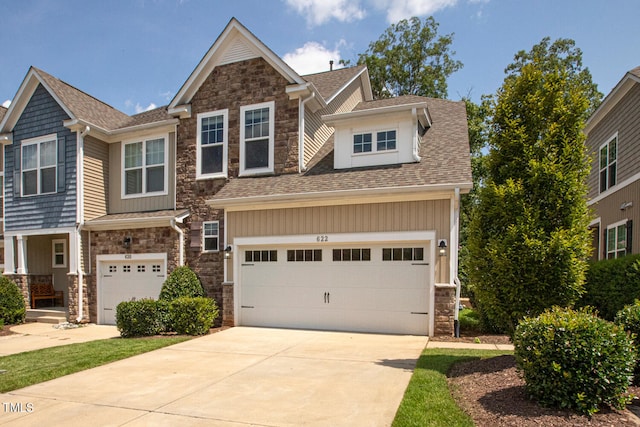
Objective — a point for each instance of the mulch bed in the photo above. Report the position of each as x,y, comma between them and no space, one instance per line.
493,394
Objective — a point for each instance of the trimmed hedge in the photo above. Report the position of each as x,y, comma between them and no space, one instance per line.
12,305
192,316
611,284
629,319
139,318
182,282
573,359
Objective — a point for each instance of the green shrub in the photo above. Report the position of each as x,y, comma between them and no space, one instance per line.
469,320
182,282
12,306
573,359
629,319
612,284
192,316
139,318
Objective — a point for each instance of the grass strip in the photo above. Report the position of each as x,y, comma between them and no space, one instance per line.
33,367
427,400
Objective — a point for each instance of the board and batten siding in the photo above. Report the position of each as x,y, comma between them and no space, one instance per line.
96,178
140,204
41,116
624,119
424,215
316,133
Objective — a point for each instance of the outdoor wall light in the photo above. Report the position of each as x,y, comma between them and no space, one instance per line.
442,247
227,252
126,242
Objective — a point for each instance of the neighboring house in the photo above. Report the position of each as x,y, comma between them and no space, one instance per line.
298,200
613,143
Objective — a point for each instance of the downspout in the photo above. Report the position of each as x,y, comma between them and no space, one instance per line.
454,259
80,216
301,124
181,240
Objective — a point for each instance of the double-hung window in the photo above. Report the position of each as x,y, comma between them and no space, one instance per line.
39,166
144,165
608,164
212,144
617,240
257,138
211,236
373,142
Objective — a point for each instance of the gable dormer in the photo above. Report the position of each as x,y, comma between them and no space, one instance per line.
382,132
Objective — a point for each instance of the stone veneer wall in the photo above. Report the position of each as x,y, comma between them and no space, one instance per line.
109,242
227,304
72,310
445,301
230,87
22,280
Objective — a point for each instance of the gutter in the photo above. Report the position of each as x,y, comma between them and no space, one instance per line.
181,240
454,260
301,166
80,217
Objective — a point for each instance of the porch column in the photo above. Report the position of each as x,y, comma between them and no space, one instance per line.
73,252
9,256
22,254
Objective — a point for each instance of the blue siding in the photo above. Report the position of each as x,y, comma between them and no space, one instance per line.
42,116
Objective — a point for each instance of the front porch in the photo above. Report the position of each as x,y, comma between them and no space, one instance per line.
54,315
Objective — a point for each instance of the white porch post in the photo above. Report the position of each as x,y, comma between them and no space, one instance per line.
9,256
73,252
22,254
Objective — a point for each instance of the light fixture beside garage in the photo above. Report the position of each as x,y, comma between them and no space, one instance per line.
126,242
442,247
227,252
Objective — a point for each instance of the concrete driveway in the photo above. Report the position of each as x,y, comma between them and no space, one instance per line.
238,377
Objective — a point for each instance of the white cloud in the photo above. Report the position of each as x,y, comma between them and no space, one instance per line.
6,103
317,12
313,57
404,9
141,109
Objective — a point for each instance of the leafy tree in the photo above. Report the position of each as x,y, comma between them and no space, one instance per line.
528,237
410,59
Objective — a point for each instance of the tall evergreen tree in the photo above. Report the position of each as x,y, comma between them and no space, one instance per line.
528,237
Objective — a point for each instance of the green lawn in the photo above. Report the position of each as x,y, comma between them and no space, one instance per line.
32,367
427,400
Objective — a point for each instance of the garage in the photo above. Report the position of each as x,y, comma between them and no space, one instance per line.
363,286
125,278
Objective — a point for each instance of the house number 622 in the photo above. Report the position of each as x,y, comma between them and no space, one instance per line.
322,238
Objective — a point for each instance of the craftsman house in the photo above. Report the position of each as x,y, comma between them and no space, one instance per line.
613,142
299,201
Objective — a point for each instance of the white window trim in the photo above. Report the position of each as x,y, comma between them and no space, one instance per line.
37,141
165,138
614,136
615,225
53,253
374,141
204,237
257,171
225,145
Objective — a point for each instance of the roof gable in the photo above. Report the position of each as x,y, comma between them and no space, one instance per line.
630,79
330,83
236,43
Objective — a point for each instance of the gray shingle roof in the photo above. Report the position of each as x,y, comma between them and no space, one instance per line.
329,82
3,111
635,71
390,102
444,152
152,116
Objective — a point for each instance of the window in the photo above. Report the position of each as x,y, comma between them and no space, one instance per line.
352,254
59,253
211,232
608,164
617,240
39,166
257,138
366,143
261,256
403,254
144,168
304,255
212,144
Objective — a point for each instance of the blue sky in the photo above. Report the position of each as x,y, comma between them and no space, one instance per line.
136,54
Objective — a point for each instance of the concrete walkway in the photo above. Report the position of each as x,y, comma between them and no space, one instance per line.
238,377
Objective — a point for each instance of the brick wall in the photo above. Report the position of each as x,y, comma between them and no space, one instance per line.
229,86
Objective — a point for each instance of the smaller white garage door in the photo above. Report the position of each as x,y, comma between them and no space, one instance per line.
125,281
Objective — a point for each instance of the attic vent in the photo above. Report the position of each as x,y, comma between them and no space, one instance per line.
237,51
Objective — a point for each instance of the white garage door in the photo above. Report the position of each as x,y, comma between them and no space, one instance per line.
368,288
125,281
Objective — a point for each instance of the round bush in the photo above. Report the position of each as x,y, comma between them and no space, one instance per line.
192,316
629,319
139,318
573,359
12,306
182,282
